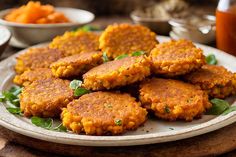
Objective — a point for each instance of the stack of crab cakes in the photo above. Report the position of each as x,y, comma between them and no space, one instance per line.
169,79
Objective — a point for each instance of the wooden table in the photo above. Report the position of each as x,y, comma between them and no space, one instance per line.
219,142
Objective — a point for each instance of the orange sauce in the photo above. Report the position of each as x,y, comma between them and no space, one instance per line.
226,30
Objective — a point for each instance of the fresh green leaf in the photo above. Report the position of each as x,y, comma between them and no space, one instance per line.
231,109
218,106
9,96
118,122
121,56
211,59
14,110
16,102
60,128
42,122
80,91
104,57
2,98
87,28
138,53
75,84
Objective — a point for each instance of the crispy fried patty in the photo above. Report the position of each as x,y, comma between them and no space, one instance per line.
172,99
76,42
117,73
126,39
76,65
102,113
45,98
37,58
216,80
29,76
176,58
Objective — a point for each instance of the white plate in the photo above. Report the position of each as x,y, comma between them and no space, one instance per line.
154,131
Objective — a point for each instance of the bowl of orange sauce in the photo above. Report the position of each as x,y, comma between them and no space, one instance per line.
35,23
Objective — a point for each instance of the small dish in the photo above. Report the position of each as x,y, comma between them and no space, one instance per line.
5,36
201,29
30,34
157,25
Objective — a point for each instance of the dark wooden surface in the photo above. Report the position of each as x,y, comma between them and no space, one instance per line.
221,142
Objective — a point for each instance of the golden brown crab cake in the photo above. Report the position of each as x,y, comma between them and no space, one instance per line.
176,58
173,99
117,73
121,39
37,58
45,98
29,76
76,65
216,80
102,113
76,42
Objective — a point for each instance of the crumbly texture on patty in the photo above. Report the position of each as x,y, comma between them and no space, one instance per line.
29,76
76,42
102,113
216,80
176,58
121,39
117,73
173,99
76,65
37,58
45,98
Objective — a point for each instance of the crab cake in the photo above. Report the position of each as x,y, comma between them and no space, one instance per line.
37,58
32,75
173,99
216,80
102,113
45,98
126,39
176,58
117,73
77,64
76,42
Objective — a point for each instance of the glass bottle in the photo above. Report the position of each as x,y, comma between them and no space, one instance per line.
226,26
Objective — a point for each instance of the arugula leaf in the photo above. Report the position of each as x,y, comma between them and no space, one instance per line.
14,110
104,57
211,59
231,109
121,56
218,106
138,53
42,122
60,128
80,91
75,84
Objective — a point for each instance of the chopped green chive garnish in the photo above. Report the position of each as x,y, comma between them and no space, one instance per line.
104,57
121,56
118,122
211,59
138,53
80,91
75,84
167,109
218,106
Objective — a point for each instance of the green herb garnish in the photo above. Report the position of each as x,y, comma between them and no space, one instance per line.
104,57
138,53
60,128
75,84
42,122
167,109
121,56
14,110
231,109
218,106
118,122
211,59
87,28
80,91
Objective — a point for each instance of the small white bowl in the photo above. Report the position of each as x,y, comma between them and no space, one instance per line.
24,35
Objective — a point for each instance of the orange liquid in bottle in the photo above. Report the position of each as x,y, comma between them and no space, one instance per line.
226,30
